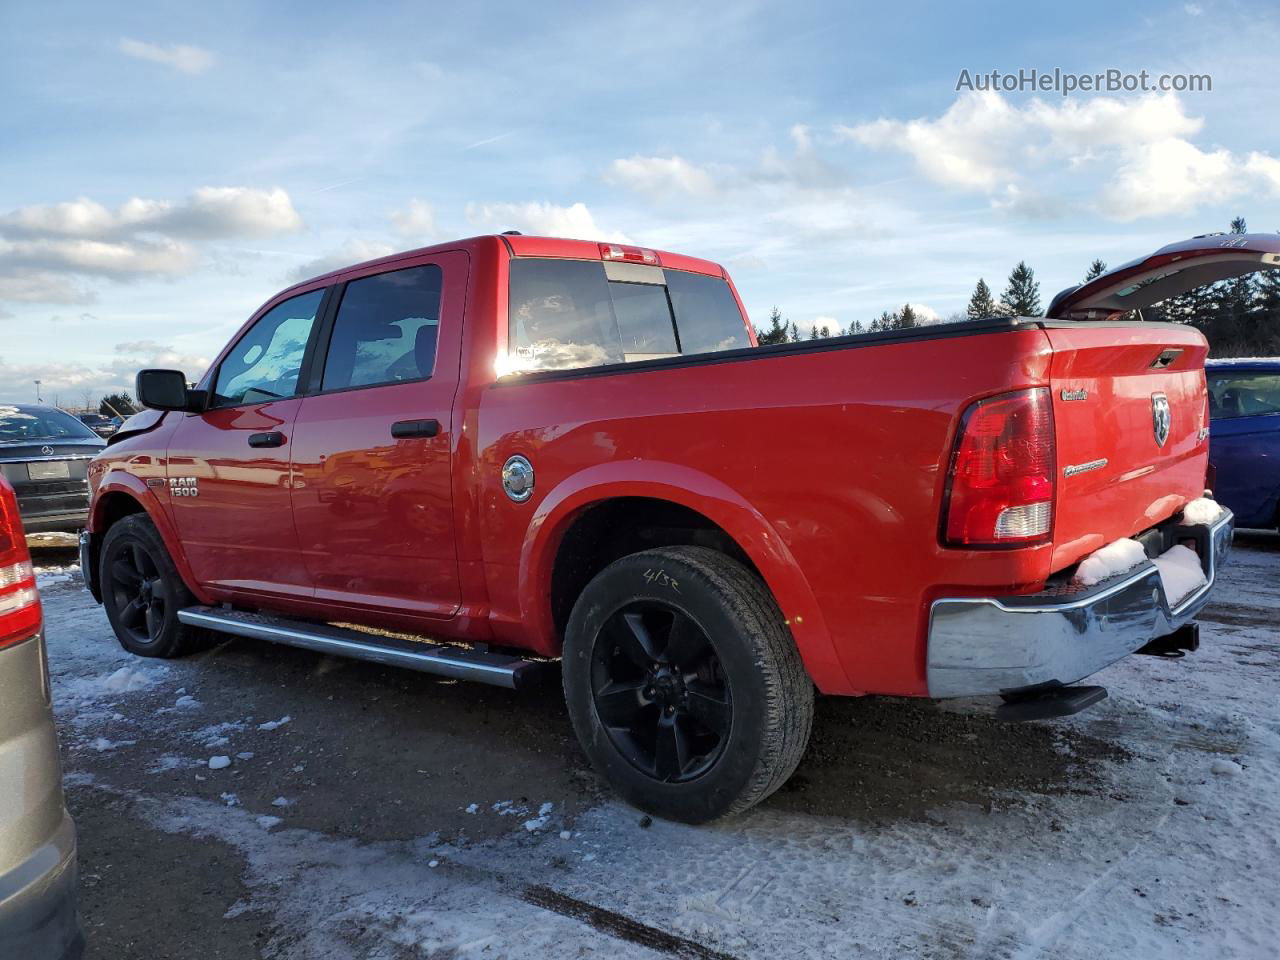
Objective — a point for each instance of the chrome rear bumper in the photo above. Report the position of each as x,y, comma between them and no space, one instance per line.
988,645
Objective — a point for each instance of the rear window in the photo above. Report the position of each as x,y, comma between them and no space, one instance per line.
1243,394
566,314
40,423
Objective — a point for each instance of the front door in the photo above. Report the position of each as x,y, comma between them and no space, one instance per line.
371,444
228,468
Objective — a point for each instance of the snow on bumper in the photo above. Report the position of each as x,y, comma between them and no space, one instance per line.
987,645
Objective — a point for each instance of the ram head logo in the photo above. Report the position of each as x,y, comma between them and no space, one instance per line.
1161,417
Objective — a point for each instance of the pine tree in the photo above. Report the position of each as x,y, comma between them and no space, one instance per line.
856,327
794,335
981,305
1021,298
1238,225
813,332
907,318
1096,269
777,332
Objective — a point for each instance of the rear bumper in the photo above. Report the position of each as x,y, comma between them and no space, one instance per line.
62,522
988,645
38,902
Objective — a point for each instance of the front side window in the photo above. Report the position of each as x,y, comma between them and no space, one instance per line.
1243,394
566,314
265,363
386,329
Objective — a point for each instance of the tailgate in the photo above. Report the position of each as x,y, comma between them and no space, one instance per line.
1132,429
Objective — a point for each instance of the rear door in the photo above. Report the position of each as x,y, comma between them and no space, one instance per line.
228,467
372,444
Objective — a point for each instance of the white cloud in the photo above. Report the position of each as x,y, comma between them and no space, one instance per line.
1138,146
925,314
45,249
542,219
210,212
1193,9
183,58
349,254
1170,176
418,221
661,176
70,382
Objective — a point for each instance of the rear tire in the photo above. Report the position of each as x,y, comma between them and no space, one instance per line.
142,592
684,684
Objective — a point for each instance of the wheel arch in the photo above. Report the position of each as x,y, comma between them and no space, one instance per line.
122,495
622,497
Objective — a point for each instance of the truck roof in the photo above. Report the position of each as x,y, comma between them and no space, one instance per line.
521,245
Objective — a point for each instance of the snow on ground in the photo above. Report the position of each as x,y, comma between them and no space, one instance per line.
1175,852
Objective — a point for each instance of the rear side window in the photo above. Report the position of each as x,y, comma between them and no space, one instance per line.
265,362
1243,394
566,314
386,329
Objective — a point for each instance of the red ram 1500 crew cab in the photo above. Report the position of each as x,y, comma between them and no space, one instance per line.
521,448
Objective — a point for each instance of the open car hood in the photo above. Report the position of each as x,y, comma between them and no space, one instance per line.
1168,272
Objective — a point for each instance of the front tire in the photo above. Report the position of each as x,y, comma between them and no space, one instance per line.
684,684
142,592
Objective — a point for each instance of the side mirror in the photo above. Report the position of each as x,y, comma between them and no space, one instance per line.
165,390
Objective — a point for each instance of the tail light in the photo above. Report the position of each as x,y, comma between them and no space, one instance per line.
618,251
1000,487
19,601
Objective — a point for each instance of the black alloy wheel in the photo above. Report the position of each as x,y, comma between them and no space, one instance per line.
660,692
138,592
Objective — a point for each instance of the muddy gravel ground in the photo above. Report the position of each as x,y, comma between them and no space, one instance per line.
370,812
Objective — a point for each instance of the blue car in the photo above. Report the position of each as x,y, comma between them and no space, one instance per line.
1244,438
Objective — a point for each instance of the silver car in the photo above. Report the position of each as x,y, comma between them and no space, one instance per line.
37,838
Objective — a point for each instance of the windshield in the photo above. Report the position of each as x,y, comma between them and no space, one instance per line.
40,423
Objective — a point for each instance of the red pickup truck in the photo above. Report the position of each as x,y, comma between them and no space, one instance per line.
475,458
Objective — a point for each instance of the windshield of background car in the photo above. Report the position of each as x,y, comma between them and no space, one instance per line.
565,314
38,423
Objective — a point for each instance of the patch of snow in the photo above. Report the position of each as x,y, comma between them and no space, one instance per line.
187,702
566,835
125,680
102,744
433,864
473,808
219,762
537,823
281,802
170,762
1201,511
545,809
266,822
274,724
1226,768
231,800
244,755
1110,560
1180,572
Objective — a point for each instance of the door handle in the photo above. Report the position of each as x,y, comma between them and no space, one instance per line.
405,429
272,439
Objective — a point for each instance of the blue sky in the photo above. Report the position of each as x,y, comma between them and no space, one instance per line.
165,169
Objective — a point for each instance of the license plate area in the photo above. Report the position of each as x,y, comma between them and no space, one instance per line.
53,470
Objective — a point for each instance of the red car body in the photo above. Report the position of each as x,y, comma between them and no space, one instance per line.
824,464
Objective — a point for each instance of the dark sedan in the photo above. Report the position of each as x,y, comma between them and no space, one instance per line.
44,453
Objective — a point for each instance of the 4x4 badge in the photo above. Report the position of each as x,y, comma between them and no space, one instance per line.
1161,417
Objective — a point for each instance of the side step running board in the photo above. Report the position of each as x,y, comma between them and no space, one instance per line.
460,663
